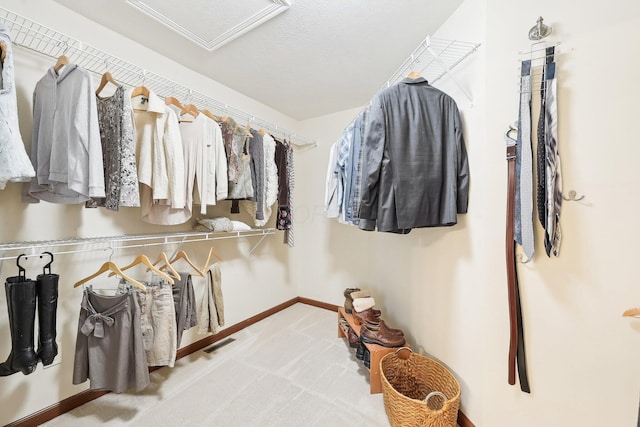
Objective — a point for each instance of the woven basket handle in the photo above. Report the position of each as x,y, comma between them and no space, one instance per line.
435,393
404,357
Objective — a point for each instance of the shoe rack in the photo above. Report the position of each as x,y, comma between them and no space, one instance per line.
376,351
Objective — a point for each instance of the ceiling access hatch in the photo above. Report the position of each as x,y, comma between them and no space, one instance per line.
216,23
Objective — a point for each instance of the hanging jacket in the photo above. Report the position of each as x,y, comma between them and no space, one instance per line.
15,165
415,169
160,159
66,150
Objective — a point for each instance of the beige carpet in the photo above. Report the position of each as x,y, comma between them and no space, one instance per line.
287,370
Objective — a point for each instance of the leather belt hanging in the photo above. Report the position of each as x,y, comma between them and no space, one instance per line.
516,332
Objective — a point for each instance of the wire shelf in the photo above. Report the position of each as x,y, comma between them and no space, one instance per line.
114,243
433,58
39,38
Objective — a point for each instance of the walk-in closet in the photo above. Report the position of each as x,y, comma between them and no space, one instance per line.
295,213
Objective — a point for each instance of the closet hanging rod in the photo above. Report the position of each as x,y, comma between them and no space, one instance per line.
44,40
124,242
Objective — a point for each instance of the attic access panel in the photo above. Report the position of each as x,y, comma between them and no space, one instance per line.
211,24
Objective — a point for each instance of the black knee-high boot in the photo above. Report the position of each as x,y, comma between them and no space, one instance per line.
47,290
21,305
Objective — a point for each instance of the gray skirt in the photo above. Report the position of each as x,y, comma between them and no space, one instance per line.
109,346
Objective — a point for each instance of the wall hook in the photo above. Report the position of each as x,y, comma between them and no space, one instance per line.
539,31
571,196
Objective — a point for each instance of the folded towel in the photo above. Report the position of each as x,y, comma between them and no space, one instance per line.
216,224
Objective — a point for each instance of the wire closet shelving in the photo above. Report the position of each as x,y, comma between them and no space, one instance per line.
434,58
113,243
47,41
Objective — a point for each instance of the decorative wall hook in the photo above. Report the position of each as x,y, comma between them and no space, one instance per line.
539,31
572,196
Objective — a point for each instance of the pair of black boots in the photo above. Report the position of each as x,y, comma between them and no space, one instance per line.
22,294
362,353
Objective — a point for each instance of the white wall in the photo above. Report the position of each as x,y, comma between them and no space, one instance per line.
582,355
447,287
251,283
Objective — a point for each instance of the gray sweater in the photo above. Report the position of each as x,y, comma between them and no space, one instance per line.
65,144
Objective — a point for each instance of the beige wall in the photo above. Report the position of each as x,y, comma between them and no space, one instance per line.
582,355
447,287
251,282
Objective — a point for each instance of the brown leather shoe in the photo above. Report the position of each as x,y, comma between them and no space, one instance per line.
384,327
370,315
348,301
354,339
380,338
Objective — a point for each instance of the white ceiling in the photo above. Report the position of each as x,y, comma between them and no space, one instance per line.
310,59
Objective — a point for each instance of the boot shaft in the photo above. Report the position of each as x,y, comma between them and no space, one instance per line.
47,290
21,306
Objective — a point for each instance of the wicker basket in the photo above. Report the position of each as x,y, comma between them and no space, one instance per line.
418,391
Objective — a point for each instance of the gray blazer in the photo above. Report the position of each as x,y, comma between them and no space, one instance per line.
415,170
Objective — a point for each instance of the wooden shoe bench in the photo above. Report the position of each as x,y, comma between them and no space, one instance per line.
375,351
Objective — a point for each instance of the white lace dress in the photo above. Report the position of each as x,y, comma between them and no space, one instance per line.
15,165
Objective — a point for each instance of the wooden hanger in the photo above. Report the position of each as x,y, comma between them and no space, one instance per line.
247,133
190,109
143,259
62,61
140,90
414,75
632,312
110,266
106,78
162,257
170,100
262,132
3,51
183,255
212,252
210,115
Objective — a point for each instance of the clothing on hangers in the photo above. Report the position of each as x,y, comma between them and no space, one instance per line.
425,180
15,165
211,309
160,161
205,163
270,184
284,162
109,346
115,118
184,299
67,159
157,320
236,145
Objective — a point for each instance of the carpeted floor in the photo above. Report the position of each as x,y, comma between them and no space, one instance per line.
287,370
